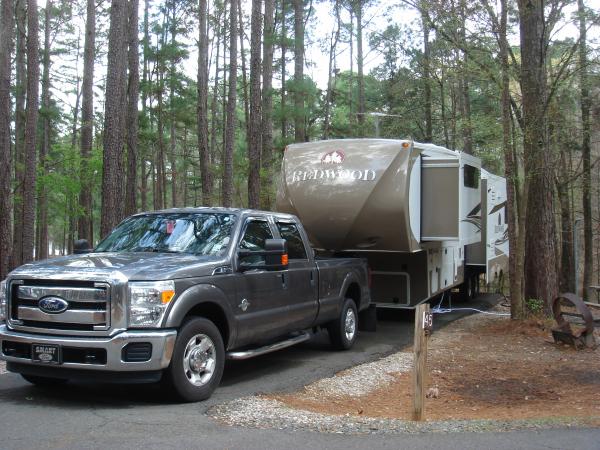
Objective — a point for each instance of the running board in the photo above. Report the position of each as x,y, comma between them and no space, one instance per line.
246,354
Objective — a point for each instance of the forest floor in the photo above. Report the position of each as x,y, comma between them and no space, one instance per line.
481,367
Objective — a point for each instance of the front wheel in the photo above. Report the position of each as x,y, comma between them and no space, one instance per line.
343,330
198,361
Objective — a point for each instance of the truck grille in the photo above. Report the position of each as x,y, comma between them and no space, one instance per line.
86,305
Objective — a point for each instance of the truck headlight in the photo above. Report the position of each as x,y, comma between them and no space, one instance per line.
148,301
3,301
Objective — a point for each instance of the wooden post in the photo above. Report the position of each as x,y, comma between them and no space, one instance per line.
423,324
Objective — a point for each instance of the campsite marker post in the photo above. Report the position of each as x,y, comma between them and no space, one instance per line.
423,326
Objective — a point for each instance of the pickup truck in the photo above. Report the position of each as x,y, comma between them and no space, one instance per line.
170,295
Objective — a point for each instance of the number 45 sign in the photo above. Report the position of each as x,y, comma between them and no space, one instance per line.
427,320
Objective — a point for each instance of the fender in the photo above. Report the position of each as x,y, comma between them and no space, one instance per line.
348,280
196,295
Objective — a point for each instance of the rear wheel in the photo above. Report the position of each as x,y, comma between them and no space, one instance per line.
343,330
44,381
198,361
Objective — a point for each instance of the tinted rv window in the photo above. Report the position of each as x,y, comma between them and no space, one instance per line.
471,178
290,233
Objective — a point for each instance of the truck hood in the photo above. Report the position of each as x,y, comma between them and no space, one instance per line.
141,266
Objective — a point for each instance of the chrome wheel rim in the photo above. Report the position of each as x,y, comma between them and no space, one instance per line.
350,324
199,360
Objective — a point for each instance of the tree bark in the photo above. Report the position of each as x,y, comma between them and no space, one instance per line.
133,88
360,69
31,124
333,41
227,187
588,261
254,130
540,270
87,123
284,121
113,174
267,107
427,77
20,92
244,72
299,113
7,31
202,108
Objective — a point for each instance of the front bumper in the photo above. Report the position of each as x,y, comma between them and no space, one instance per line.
162,341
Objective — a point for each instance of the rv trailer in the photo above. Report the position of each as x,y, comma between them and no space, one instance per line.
428,219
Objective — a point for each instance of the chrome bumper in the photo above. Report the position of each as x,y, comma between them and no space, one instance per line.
163,342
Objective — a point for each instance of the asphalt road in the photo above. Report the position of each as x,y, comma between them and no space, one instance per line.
81,415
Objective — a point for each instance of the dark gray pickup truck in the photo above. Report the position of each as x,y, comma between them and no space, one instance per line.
169,295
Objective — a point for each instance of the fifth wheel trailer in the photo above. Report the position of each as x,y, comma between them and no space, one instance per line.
428,219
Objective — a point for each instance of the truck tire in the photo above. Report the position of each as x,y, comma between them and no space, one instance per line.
198,359
343,330
43,381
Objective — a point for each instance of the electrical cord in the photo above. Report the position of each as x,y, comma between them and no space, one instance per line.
439,310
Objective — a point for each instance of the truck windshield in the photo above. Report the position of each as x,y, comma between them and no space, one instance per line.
199,234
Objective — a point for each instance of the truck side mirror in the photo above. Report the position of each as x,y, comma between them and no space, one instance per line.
275,256
81,247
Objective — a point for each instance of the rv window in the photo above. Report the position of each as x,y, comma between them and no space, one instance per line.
290,233
471,177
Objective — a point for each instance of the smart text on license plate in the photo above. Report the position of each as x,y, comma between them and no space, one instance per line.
45,353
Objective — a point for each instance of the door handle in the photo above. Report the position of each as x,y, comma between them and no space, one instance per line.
283,283
312,277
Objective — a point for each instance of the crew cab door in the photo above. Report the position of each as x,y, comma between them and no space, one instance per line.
261,307
302,277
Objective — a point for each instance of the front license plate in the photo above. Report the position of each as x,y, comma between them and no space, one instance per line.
49,354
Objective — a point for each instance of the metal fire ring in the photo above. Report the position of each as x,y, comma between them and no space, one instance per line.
564,326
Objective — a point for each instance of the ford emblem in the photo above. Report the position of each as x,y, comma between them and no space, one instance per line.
53,305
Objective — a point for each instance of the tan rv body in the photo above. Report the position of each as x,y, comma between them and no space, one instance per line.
410,208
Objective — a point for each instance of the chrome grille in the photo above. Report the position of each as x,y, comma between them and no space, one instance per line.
88,306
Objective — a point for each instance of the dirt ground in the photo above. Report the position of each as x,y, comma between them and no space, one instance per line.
485,367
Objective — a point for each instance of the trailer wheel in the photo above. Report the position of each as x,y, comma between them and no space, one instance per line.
343,330
198,361
43,381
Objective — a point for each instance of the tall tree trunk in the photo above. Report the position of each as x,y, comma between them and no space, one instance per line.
267,107
333,41
113,197
33,79
540,270
20,92
245,101
227,187
42,203
213,114
588,266
7,30
172,119
360,65
133,88
87,123
511,174
284,122
144,93
255,134
426,77
299,113
202,108
463,84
